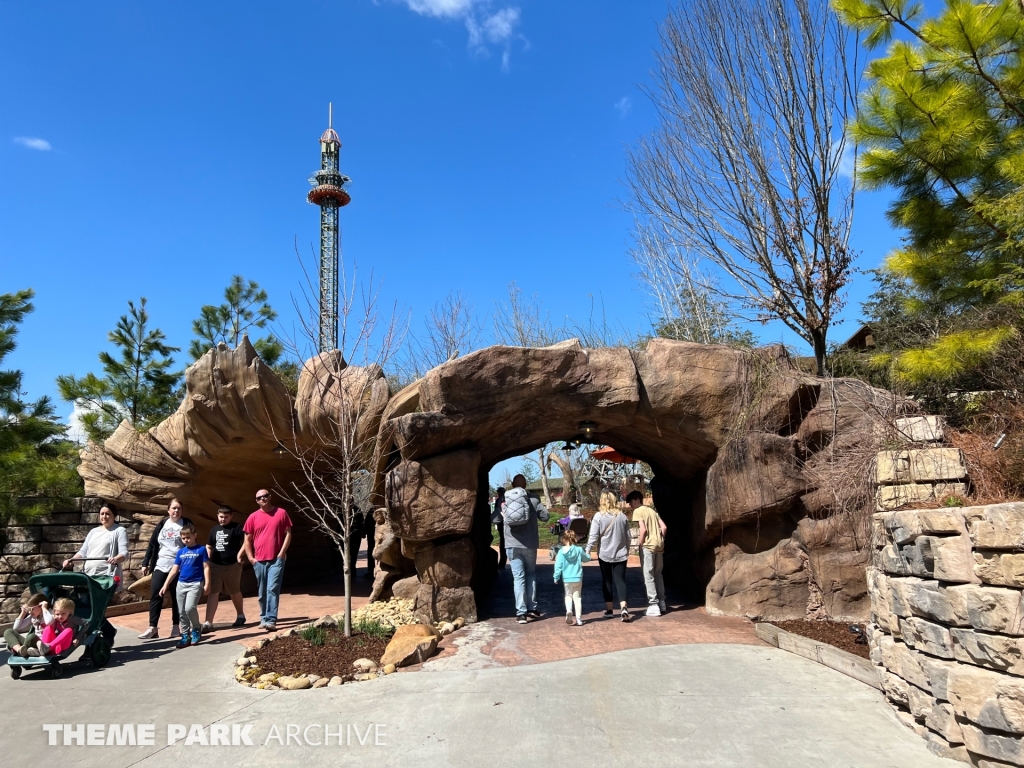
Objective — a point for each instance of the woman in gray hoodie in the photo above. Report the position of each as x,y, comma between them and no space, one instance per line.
610,529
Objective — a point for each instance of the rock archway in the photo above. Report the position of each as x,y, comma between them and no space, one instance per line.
735,438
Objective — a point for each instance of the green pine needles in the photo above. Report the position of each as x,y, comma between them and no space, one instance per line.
138,384
245,306
942,122
37,463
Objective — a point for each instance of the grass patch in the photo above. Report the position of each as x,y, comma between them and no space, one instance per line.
546,539
373,629
313,635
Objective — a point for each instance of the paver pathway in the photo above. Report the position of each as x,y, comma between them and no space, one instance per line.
499,640
683,689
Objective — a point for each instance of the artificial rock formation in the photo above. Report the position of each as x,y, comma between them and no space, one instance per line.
738,439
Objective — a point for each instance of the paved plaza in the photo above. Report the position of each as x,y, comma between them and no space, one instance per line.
683,690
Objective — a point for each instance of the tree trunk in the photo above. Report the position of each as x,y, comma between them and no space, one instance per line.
544,478
818,338
568,476
347,557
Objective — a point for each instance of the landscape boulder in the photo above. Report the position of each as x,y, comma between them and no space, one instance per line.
411,644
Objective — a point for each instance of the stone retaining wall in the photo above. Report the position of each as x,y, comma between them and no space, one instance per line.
926,472
948,633
46,542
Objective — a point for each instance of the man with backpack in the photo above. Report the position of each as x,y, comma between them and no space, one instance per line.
522,512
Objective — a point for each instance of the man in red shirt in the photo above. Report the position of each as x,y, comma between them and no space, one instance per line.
268,532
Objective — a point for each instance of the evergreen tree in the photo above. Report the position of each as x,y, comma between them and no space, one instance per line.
137,385
245,306
37,465
942,122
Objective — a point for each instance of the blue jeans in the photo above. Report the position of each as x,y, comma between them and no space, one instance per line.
524,575
268,578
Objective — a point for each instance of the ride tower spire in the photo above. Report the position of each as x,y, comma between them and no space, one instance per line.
329,193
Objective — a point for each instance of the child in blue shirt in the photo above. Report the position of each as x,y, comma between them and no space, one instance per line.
192,567
569,567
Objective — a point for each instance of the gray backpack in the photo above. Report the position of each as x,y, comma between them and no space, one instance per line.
517,507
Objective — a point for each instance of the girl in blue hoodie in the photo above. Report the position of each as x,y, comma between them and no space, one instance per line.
569,567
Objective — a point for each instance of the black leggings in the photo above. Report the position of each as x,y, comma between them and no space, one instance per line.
613,573
156,602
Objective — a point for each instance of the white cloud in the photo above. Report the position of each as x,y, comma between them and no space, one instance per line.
500,26
624,106
847,156
485,28
441,9
33,143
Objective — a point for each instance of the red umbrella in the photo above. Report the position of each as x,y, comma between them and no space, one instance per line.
610,454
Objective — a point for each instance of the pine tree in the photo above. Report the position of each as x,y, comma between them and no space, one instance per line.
37,465
246,306
942,122
137,385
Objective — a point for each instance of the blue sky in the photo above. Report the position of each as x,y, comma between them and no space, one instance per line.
158,148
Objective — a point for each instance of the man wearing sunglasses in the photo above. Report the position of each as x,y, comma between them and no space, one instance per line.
268,532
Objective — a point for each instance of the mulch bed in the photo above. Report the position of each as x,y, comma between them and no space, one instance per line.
832,633
294,655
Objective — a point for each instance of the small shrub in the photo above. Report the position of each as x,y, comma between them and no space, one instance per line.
313,635
953,501
373,628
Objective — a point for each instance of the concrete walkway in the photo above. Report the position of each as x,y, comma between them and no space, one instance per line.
692,705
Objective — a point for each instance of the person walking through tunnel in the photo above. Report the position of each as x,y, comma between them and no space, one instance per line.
569,568
522,512
609,531
498,518
652,551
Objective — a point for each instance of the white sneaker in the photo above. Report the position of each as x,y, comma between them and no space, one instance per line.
149,634
653,610
175,631
207,627
579,622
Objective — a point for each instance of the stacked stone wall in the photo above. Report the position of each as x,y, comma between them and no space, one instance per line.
923,471
42,545
948,627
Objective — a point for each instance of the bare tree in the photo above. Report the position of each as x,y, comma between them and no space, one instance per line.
341,397
597,331
522,323
686,306
449,330
747,170
543,462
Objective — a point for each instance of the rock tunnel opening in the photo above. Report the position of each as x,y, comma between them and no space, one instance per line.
676,499
736,439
